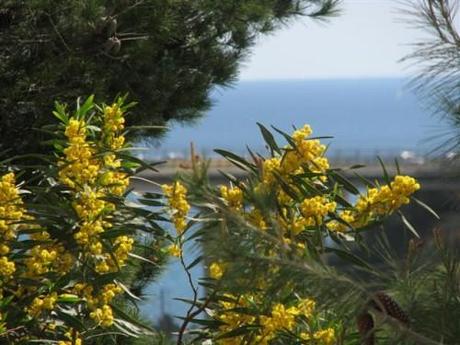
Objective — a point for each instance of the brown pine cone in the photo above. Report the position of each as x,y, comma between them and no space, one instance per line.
365,324
390,306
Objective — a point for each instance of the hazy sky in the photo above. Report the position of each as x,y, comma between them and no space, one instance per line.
366,40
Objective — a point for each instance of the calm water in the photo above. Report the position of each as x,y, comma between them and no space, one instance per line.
364,115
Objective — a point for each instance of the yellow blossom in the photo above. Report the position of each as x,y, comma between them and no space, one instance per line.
174,250
7,268
216,270
347,216
281,318
256,218
306,307
325,336
103,316
176,195
316,209
40,304
269,167
233,196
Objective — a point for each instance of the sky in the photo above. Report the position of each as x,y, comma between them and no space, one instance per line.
366,40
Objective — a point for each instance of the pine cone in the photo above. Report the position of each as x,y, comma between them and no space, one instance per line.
365,324
390,306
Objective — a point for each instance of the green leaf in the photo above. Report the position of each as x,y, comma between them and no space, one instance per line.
344,182
87,106
61,117
126,318
308,187
236,160
269,139
385,172
42,341
202,322
189,301
128,329
195,262
286,187
144,165
68,298
128,292
113,233
426,207
70,320
238,331
342,201
348,256
230,177
286,136
408,224
366,181
60,112
141,258
398,169
150,202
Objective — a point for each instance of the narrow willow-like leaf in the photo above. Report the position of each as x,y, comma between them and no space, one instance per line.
230,177
126,289
82,110
341,200
357,166
238,331
141,258
398,169
195,262
426,207
150,202
408,224
129,320
236,160
286,188
269,139
60,112
189,301
71,320
69,298
386,177
143,164
286,136
209,323
350,257
344,182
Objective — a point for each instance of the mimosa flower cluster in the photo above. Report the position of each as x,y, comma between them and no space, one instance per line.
274,220
177,199
303,154
63,243
178,208
298,179
90,169
378,202
11,212
271,325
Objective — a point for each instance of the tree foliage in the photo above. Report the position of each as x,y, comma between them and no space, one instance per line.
167,54
437,60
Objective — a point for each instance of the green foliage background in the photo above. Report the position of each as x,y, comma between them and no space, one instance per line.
167,54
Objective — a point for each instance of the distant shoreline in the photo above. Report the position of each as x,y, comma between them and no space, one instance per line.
320,79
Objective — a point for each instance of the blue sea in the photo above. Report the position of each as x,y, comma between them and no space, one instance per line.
365,116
